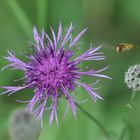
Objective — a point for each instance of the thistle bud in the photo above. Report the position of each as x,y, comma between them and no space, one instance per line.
23,126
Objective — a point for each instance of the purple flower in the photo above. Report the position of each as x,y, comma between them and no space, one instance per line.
52,71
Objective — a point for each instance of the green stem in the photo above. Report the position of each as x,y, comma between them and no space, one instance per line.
123,132
131,106
94,120
132,98
21,17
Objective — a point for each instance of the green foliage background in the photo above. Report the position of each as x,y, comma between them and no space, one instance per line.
109,22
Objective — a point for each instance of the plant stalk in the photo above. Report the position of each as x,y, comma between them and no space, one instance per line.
94,120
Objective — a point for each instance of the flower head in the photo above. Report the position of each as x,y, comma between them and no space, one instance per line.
132,77
53,72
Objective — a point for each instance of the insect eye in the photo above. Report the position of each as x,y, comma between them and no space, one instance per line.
120,48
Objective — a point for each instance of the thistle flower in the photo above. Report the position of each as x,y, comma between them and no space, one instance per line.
53,72
132,77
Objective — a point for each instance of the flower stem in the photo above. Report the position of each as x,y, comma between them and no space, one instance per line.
122,135
94,120
131,106
132,98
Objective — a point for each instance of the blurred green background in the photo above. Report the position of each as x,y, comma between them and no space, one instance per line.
109,22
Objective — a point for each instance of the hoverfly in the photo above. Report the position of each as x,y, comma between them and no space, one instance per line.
122,47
